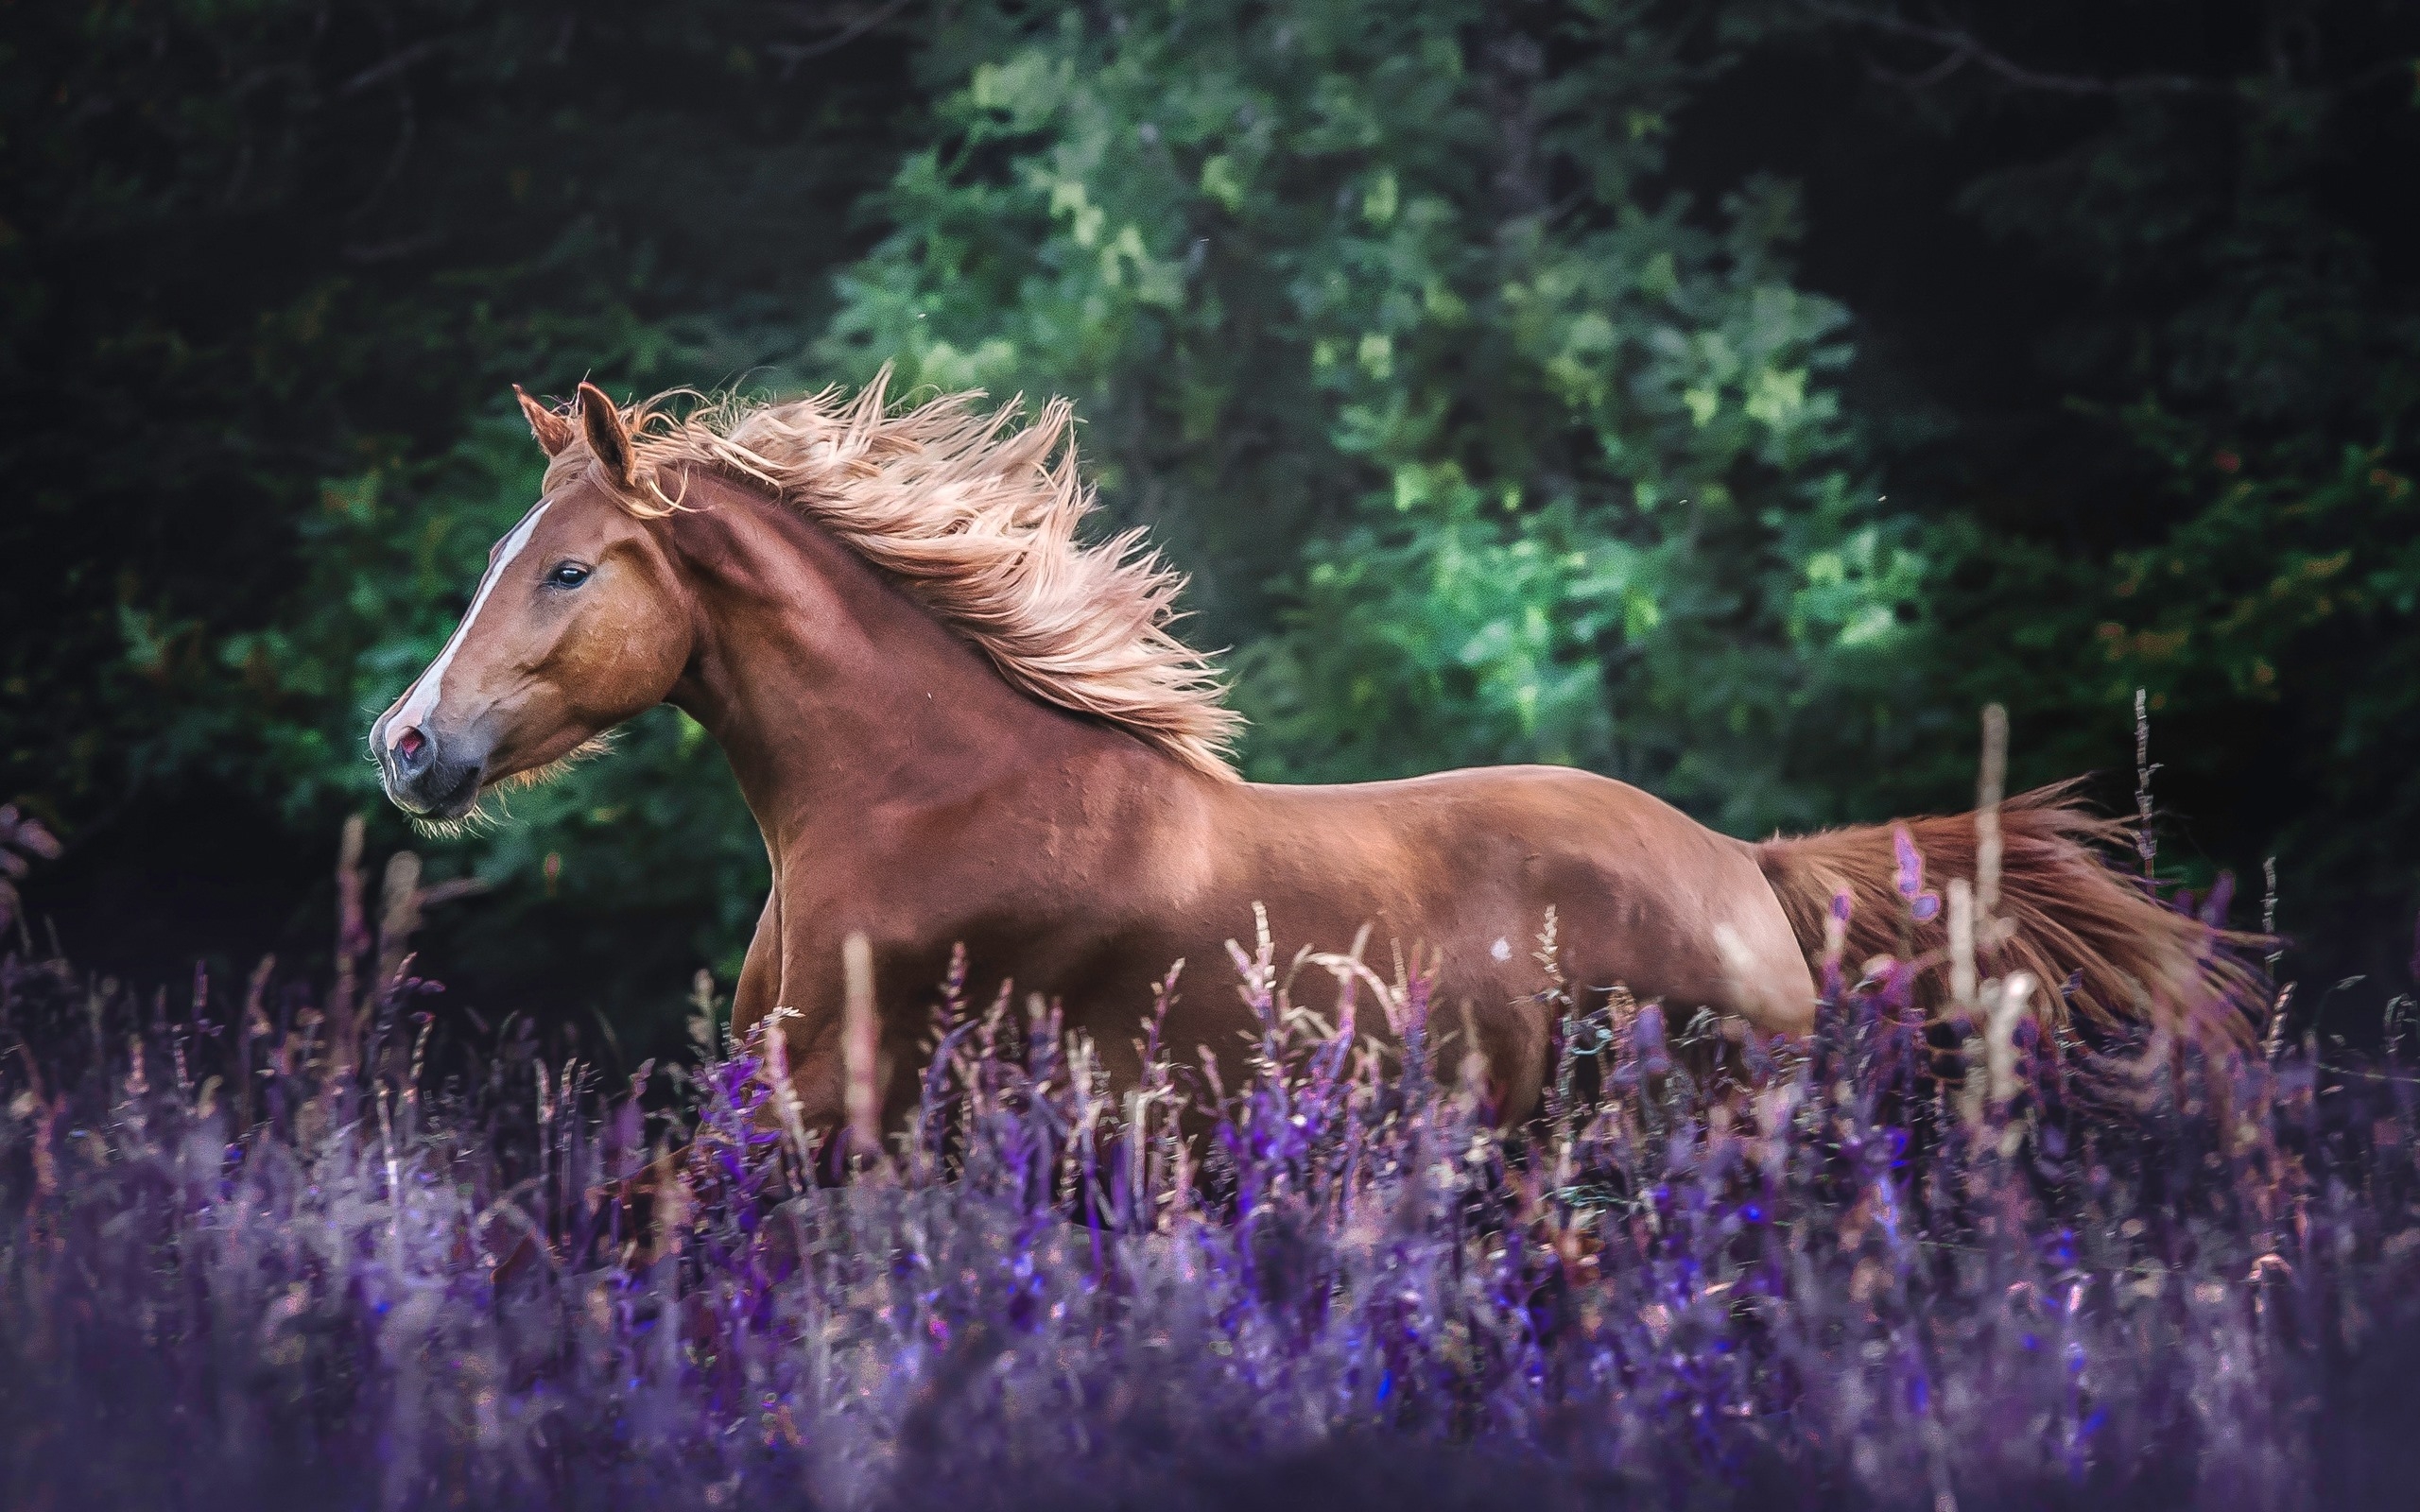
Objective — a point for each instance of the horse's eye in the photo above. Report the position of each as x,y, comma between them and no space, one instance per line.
570,575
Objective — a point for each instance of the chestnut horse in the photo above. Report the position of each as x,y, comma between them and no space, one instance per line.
956,723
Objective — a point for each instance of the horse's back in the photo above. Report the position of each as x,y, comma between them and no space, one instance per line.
1518,801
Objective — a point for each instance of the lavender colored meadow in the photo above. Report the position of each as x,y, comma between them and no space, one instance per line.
293,1259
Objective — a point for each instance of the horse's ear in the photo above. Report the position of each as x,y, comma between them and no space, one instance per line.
552,430
607,436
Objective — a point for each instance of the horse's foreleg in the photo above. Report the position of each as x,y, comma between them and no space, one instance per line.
760,974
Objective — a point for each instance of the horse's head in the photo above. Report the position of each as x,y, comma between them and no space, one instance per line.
580,623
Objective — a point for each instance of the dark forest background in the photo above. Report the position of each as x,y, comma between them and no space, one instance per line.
1732,397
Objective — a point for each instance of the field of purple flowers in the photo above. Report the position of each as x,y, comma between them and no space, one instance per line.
267,1248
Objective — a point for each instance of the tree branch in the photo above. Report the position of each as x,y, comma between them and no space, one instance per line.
1962,47
792,54
391,67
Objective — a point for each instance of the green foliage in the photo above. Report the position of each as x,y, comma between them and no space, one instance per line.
1562,482
2237,326
2273,626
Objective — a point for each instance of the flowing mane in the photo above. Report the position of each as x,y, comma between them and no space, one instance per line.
976,517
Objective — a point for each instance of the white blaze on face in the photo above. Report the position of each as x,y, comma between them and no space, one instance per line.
421,701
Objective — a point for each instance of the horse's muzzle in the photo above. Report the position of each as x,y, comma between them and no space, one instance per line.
428,775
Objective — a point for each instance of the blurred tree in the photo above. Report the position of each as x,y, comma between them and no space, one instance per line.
264,274
1483,359
2139,315
1490,450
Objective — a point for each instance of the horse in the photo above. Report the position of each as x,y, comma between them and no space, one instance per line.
961,726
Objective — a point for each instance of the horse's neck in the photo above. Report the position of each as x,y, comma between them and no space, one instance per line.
834,694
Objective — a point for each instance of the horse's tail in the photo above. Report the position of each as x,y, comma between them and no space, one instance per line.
2097,944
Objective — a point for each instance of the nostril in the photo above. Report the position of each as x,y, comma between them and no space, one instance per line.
410,746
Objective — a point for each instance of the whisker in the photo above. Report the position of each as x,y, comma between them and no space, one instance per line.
587,750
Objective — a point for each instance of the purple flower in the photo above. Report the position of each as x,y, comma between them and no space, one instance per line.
1912,861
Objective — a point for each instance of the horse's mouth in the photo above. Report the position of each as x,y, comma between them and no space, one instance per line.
442,795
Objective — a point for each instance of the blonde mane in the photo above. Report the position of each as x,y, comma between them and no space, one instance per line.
975,517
